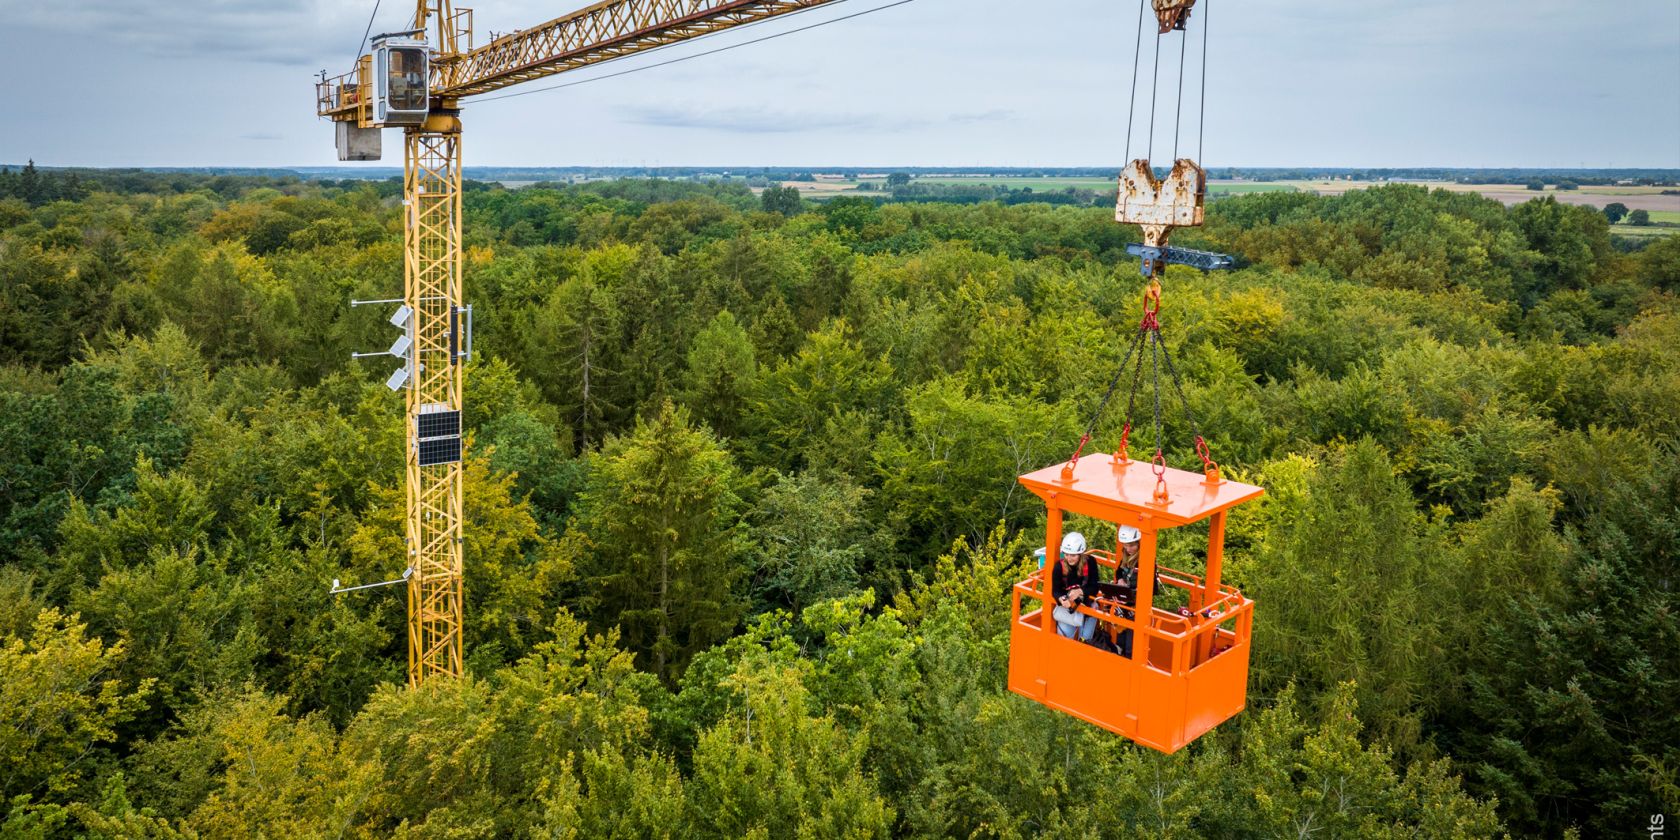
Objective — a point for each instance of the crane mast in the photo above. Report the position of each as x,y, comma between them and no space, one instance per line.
416,80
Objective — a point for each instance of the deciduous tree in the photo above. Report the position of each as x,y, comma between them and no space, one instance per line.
60,705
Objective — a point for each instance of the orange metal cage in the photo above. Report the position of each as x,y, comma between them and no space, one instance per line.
1186,674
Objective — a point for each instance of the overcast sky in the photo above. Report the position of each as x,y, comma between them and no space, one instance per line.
936,82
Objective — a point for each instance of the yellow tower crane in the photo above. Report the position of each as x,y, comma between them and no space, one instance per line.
416,80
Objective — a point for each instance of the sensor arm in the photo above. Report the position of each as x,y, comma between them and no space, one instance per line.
340,589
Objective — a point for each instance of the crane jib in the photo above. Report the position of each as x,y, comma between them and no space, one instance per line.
599,33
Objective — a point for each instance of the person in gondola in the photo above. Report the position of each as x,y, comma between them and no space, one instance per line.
1130,542
1073,579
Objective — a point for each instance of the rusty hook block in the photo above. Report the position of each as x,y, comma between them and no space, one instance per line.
1173,14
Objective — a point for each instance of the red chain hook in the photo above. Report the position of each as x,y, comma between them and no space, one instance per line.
1152,307
1210,468
1067,469
1123,454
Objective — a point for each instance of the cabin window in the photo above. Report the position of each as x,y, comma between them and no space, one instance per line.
405,78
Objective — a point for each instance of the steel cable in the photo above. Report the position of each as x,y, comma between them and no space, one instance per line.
1131,104
365,33
1201,121
1178,116
1154,93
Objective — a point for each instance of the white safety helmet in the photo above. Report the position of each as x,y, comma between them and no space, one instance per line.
1073,543
1128,535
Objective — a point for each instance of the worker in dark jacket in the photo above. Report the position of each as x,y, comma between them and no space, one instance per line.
1130,542
1073,579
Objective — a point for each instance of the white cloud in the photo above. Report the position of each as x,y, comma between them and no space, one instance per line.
273,31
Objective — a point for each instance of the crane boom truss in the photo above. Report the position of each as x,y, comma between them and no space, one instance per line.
602,32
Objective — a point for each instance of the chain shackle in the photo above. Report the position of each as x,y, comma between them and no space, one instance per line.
1068,468
1210,467
1152,307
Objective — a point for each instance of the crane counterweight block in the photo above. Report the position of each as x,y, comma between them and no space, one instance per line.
357,143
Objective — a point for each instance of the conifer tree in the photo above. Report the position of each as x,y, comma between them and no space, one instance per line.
662,528
721,373
576,330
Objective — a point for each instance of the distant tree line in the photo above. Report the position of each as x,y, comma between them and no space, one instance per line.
35,188
123,180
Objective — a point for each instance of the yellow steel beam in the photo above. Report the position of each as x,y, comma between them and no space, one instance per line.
432,289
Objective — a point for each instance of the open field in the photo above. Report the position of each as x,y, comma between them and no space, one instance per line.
1246,187
826,188
1636,198
1647,232
822,190
1038,184
1095,184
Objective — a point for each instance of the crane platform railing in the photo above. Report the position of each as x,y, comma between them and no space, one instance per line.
1186,642
347,97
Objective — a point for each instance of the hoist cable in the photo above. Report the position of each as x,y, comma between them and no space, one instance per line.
1178,118
365,33
1131,104
1201,121
1154,91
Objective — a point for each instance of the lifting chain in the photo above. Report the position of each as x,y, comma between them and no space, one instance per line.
1148,332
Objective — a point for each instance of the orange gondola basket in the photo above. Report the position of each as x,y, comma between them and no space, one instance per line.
1188,668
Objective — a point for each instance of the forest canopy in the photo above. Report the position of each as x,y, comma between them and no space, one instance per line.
1466,416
